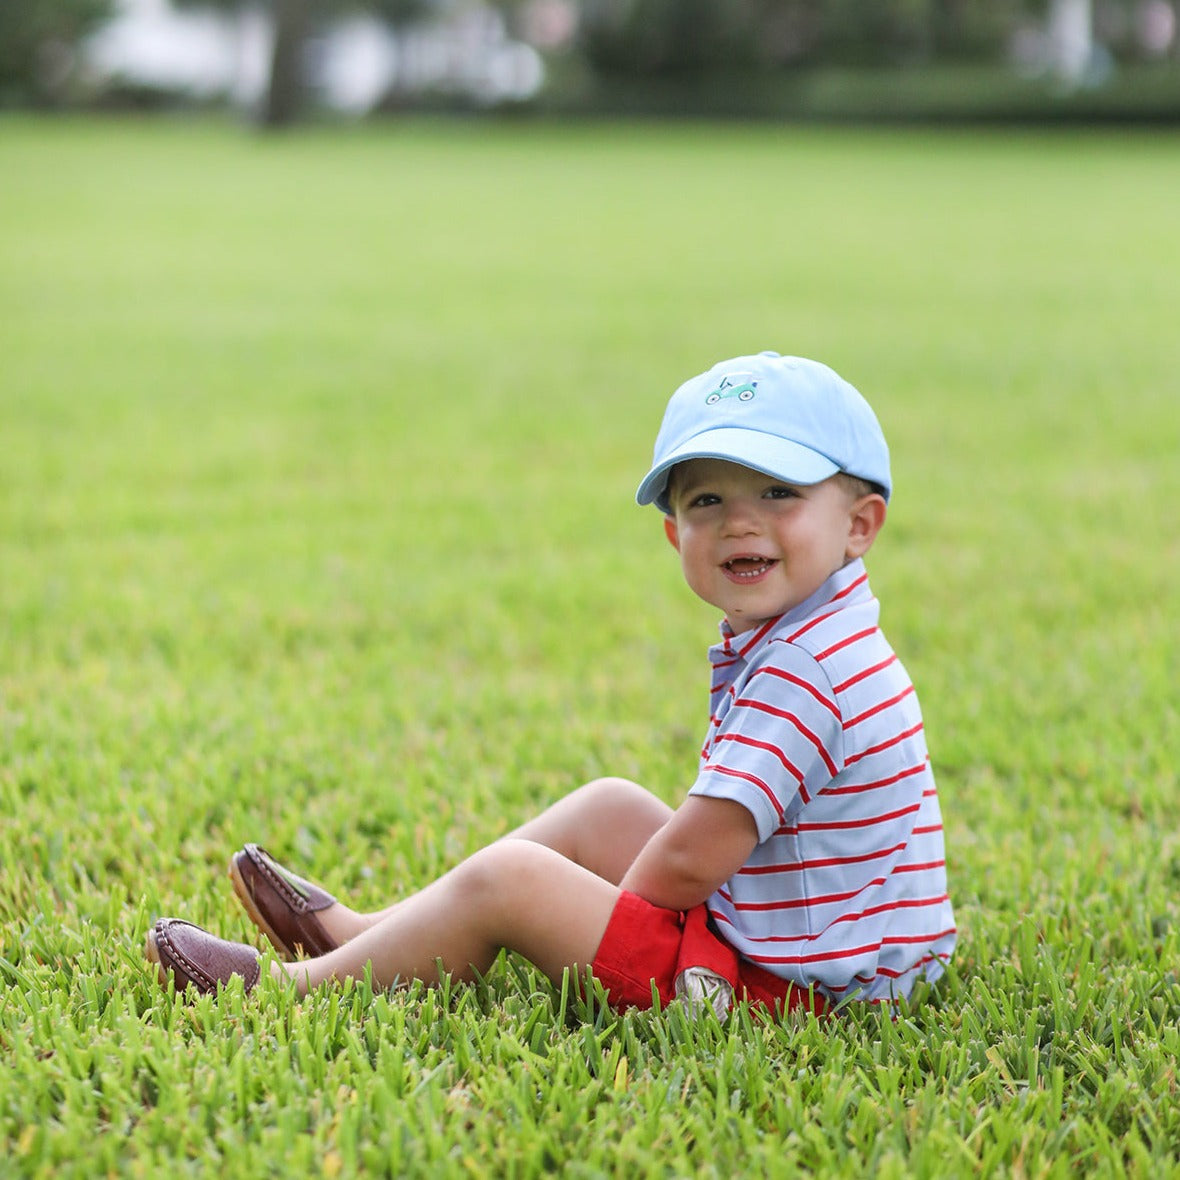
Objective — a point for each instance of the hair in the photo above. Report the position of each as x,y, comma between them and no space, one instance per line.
860,487
670,488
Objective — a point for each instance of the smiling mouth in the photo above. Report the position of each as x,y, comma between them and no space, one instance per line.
748,569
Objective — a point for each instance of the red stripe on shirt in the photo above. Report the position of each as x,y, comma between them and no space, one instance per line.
917,939
808,626
852,952
865,674
826,862
814,622
847,641
900,903
868,822
762,707
893,741
891,973
846,953
749,778
849,588
914,939
760,634
799,903
742,740
905,692
904,903
799,682
859,788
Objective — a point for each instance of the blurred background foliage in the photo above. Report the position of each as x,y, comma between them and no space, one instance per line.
38,39
865,58
642,36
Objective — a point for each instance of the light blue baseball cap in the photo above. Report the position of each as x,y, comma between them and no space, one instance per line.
791,418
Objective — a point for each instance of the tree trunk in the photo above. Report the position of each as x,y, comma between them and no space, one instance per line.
284,98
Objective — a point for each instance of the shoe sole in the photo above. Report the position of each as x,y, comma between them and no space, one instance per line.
252,911
152,951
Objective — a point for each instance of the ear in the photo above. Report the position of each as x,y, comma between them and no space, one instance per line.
672,532
865,519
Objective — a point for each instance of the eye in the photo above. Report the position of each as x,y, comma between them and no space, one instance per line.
780,492
704,500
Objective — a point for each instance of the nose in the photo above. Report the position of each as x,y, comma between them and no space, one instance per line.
741,517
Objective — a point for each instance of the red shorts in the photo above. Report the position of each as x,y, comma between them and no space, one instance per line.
645,948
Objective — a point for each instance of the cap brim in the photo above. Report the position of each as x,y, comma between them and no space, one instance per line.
777,457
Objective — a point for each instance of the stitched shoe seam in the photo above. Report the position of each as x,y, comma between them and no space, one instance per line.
283,888
197,974
286,891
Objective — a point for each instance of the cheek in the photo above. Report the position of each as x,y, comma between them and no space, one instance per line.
693,556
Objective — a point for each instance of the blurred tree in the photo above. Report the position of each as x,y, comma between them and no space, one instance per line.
38,46
294,20
644,37
885,32
662,37
977,29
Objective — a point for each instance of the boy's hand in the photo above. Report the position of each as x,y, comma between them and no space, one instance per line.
704,843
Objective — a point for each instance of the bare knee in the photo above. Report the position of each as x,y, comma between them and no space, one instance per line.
490,881
600,826
630,807
616,819
621,796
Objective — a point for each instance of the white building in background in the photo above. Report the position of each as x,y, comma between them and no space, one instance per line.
353,65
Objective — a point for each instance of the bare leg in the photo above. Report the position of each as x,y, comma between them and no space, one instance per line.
517,894
601,826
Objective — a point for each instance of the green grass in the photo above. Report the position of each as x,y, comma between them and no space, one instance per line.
316,465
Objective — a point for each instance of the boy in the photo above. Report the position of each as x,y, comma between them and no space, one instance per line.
806,865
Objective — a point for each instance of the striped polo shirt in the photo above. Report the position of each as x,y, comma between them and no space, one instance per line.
815,729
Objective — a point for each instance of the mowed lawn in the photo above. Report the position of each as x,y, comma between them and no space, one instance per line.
317,457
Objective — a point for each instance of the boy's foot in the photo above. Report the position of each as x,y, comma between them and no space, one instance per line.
193,957
282,905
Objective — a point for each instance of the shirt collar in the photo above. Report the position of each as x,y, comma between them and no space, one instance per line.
847,585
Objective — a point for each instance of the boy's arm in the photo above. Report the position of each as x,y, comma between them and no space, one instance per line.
704,843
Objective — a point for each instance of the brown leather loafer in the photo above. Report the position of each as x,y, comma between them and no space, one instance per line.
194,958
282,905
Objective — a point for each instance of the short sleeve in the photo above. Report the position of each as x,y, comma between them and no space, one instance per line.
779,742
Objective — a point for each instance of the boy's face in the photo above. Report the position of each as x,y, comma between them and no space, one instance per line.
754,546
